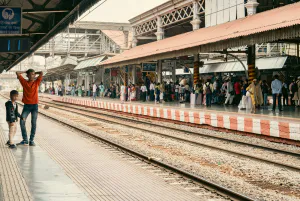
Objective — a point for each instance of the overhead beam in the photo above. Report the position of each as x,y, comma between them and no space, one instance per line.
43,11
33,19
146,38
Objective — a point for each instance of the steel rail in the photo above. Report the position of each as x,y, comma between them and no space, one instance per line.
181,130
279,164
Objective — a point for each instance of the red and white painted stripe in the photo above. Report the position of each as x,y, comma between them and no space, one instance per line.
275,128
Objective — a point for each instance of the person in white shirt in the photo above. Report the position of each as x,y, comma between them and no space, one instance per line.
152,89
276,92
144,92
229,93
94,91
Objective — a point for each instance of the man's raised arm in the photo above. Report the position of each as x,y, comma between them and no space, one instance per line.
20,73
40,73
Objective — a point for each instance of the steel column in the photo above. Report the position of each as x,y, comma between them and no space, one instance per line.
196,68
251,62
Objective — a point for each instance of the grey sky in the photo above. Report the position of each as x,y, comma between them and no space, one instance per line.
121,10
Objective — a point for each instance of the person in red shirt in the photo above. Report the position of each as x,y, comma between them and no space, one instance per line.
30,100
237,89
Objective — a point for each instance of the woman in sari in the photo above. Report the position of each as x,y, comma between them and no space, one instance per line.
256,95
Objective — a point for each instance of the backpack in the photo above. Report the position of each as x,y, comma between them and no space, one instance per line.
284,90
207,89
294,87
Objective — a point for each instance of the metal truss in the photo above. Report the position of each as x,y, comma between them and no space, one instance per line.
79,44
201,9
174,16
146,27
178,15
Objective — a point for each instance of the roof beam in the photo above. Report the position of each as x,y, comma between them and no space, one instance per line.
33,19
43,11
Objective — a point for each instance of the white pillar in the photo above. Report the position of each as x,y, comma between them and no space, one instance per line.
251,7
160,34
268,49
102,74
134,38
126,34
133,72
86,40
159,71
196,19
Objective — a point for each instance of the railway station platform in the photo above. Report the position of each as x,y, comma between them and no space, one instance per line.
67,166
282,125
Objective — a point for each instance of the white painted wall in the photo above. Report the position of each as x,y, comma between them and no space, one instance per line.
222,11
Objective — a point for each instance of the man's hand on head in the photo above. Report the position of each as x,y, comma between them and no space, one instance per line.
39,73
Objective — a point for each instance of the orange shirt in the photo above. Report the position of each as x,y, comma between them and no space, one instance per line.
30,90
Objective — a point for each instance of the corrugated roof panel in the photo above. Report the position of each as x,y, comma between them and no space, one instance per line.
89,63
285,16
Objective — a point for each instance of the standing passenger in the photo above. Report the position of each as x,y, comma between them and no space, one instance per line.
276,92
94,91
152,89
102,89
144,92
265,91
30,100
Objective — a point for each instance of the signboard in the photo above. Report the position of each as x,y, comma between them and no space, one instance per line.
149,67
15,44
10,20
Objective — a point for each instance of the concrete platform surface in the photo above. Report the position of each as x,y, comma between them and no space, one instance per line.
68,166
42,178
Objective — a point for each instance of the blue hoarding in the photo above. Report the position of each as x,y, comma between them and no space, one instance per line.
10,20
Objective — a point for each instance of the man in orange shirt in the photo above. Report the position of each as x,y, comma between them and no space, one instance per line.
30,100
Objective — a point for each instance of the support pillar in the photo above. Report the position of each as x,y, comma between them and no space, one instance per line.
174,72
86,44
298,59
133,71
268,49
126,34
251,7
196,68
126,76
196,19
251,62
160,30
134,38
159,71
102,74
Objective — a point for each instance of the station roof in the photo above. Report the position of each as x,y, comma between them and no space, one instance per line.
277,24
91,62
41,20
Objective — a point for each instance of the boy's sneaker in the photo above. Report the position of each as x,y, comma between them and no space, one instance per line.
12,146
31,143
23,142
7,143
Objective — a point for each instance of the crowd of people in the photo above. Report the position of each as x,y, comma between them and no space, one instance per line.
229,91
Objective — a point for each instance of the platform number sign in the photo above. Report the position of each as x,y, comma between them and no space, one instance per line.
10,20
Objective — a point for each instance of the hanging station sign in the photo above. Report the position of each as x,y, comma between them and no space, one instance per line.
149,67
10,20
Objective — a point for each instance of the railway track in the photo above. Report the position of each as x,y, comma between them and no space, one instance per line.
211,186
96,115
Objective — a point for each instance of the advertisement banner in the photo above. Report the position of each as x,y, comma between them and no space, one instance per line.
10,20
